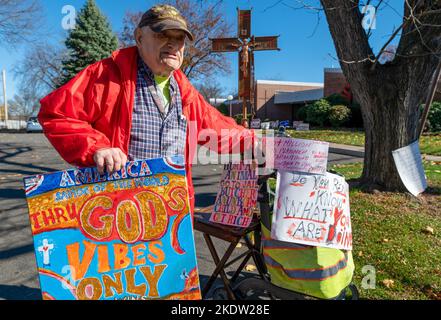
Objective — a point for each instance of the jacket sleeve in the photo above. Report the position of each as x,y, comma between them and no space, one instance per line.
67,116
231,137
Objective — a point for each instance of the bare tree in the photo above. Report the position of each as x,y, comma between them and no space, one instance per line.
19,20
24,105
204,21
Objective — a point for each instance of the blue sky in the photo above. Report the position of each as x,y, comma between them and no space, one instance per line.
304,53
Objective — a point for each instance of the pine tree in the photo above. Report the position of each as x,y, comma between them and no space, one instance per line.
91,40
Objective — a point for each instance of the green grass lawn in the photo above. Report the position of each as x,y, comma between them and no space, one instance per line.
429,143
389,234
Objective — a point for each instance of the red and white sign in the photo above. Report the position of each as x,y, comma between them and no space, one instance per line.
312,210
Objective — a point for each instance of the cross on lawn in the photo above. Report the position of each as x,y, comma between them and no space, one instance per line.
44,248
245,45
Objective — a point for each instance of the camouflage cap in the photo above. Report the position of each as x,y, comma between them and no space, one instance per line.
164,17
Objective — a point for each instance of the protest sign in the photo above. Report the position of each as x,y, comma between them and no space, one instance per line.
265,125
297,154
312,210
302,127
122,236
296,123
255,124
237,195
410,168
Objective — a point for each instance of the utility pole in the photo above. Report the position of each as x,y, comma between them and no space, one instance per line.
4,95
429,100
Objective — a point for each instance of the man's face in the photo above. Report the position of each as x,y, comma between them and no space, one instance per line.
163,51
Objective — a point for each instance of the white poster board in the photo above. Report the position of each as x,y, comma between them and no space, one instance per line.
295,124
312,210
237,195
410,168
301,155
255,124
302,127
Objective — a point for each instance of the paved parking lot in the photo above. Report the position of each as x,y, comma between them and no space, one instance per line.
27,154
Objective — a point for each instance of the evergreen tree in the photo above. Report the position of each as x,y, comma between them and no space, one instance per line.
91,40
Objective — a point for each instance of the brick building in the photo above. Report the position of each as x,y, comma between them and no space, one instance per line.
280,100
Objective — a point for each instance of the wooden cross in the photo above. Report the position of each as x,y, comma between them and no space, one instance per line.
245,45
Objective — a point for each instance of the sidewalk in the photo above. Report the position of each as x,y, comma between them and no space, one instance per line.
356,151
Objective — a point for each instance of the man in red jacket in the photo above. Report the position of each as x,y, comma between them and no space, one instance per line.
137,104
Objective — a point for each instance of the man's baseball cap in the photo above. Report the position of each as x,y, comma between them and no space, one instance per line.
164,17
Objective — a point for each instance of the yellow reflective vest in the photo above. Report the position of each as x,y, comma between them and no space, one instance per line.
316,271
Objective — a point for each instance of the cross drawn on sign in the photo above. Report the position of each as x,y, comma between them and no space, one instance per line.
245,45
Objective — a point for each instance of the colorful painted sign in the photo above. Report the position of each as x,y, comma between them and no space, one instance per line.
312,210
127,235
237,195
300,155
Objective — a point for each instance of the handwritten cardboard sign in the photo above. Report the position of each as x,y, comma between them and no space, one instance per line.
312,210
297,155
237,195
410,168
122,236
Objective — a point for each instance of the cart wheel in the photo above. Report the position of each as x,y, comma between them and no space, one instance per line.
355,295
220,293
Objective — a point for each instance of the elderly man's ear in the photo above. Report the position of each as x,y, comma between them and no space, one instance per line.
138,35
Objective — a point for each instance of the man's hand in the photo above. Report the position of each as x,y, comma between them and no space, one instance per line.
110,158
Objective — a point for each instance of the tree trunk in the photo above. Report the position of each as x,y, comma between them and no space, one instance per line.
390,95
390,118
390,102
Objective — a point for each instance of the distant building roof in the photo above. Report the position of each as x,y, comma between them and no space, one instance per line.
282,97
290,83
218,101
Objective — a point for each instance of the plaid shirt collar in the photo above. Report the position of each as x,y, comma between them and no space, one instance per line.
150,79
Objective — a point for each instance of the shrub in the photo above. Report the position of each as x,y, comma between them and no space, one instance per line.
224,109
238,117
318,112
434,117
338,115
337,99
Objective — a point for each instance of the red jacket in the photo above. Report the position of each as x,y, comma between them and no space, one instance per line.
94,111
